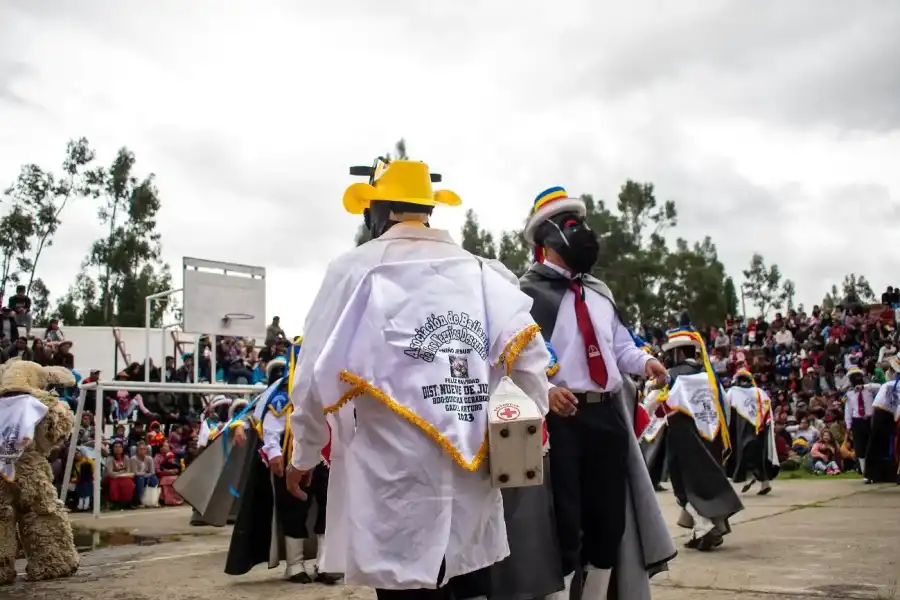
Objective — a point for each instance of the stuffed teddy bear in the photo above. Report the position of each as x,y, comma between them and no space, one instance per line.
32,422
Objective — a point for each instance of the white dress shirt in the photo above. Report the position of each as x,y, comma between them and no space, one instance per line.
851,406
617,347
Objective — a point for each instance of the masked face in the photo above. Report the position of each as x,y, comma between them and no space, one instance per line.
569,235
743,382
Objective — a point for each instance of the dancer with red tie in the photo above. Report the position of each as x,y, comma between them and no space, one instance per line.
607,520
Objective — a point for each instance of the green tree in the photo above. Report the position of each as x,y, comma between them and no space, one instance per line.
856,289
633,249
45,195
40,302
362,233
763,285
514,252
788,293
831,299
695,282
127,259
16,228
731,297
475,239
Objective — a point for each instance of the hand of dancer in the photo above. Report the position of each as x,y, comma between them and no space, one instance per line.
297,479
276,465
240,438
562,401
656,371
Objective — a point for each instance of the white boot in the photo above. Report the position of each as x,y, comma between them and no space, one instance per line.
565,593
293,550
702,525
596,584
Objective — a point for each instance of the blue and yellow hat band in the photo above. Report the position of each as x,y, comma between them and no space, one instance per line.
548,196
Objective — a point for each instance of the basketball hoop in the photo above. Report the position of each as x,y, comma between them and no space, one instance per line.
228,317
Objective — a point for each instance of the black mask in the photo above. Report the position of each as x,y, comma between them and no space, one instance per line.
569,235
744,382
857,379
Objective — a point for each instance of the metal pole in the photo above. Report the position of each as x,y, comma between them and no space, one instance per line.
212,360
196,360
73,442
98,447
148,304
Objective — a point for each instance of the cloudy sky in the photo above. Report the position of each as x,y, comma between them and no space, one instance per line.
774,125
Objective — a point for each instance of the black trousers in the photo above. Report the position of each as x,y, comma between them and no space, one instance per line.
470,585
292,511
318,490
862,430
587,460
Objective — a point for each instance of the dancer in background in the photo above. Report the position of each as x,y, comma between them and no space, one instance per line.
271,523
698,442
858,407
882,463
653,443
607,518
752,434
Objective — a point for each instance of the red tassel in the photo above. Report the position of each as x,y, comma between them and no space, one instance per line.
539,254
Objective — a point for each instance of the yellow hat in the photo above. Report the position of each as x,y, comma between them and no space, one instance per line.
397,181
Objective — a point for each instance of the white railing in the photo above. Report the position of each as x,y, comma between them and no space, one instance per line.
100,387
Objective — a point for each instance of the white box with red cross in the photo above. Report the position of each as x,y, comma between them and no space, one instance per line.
515,438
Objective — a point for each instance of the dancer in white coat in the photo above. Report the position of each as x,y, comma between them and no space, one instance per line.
414,333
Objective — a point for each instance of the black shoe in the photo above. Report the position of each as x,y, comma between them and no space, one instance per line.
692,543
659,488
301,577
764,491
747,487
327,578
708,542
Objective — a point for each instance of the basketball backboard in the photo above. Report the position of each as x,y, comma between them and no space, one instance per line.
224,298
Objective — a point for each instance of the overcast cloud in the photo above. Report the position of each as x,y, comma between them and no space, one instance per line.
774,126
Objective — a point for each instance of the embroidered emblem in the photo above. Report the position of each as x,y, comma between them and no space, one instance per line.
593,351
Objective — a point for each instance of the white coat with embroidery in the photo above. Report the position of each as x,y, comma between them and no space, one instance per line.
415,325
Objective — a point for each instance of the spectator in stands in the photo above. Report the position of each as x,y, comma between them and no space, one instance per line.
18,348
136,437
63,356
82,479
823,455
118,476
53,333
90,397
169,369
167,470
20,304
40,353
9,329
144,472
274,332
185,373
891,296
178,440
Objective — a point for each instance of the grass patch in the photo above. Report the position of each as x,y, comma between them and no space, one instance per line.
804,474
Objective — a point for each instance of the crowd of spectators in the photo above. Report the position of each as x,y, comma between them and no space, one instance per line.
801,361
155,435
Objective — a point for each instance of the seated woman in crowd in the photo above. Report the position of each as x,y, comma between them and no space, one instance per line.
144,472
118,478
823,455
167,470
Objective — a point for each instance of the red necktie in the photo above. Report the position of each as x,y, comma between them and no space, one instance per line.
596,365
860,404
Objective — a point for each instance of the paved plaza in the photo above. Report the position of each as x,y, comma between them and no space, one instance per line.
808,539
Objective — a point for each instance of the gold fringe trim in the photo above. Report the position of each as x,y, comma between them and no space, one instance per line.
553,370
515,346
287,446
360,387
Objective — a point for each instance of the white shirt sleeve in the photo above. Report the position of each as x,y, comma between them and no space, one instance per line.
203,435
273,429
629,358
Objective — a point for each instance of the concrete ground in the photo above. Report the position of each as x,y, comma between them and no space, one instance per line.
808,539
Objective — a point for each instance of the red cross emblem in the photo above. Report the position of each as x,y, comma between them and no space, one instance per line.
508,413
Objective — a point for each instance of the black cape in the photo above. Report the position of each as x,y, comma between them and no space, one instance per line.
881,455
749,451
